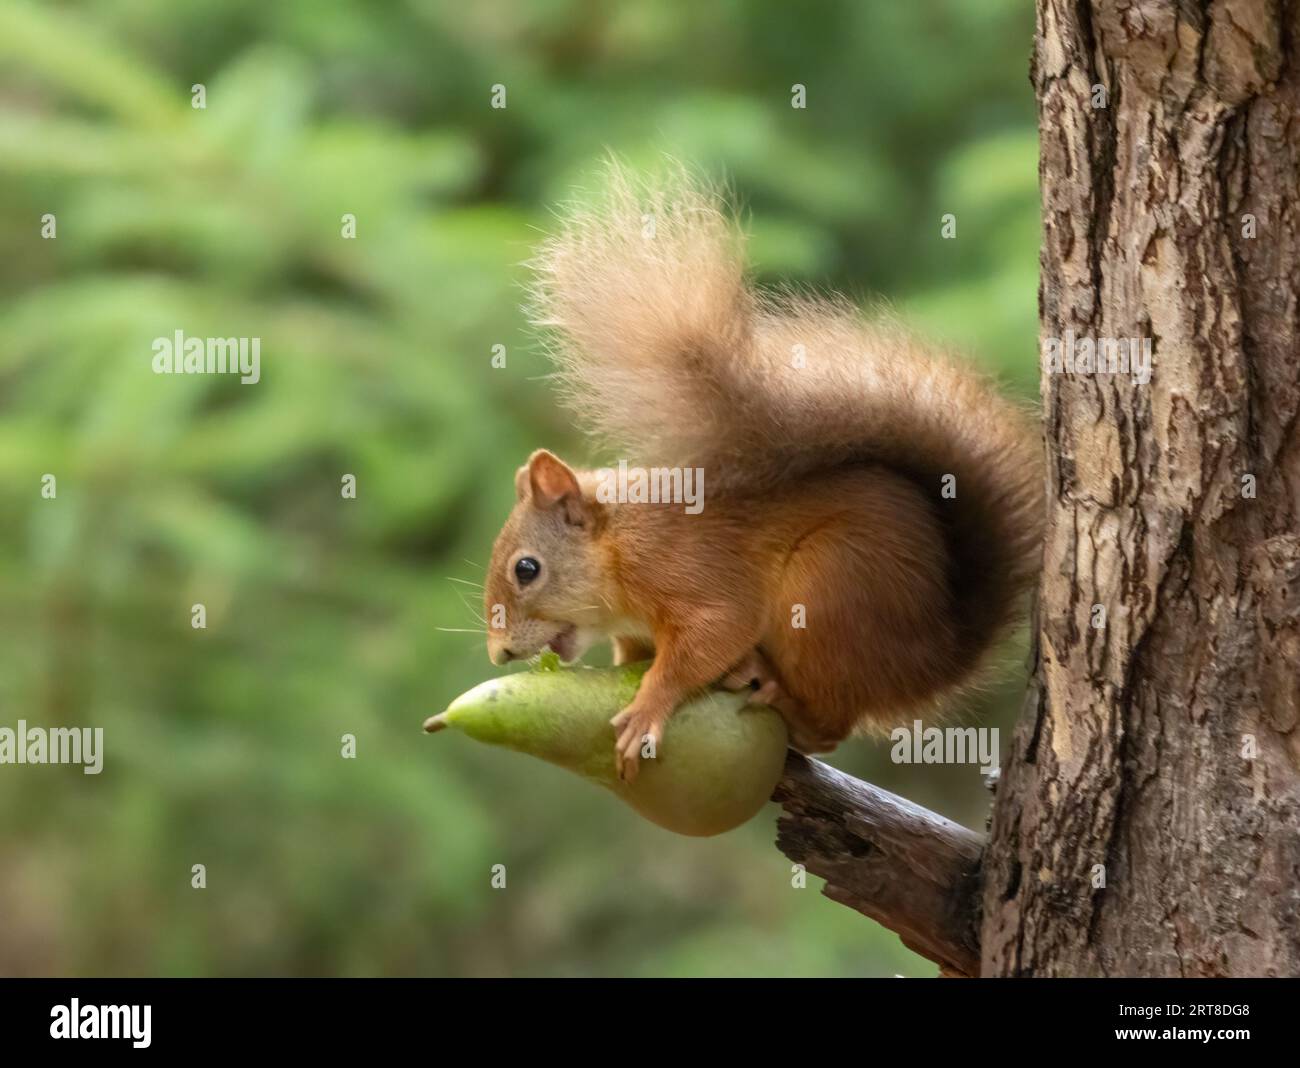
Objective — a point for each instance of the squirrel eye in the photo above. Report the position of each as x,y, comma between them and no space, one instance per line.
527,569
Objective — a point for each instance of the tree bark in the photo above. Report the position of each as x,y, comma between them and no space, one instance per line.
1148,817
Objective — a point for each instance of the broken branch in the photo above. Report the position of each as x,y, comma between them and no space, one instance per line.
906,867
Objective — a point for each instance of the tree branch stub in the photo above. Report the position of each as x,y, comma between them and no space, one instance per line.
912,870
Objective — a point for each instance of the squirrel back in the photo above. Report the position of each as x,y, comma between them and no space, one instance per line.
669,357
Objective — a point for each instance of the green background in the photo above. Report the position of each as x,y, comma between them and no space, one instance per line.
223,744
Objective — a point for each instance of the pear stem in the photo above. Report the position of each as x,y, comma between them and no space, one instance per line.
435,723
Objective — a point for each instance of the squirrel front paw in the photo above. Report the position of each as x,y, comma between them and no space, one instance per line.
639,732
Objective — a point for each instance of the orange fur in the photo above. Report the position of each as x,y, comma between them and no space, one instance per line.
823,481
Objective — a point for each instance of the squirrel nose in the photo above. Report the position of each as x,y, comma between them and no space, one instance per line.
500,654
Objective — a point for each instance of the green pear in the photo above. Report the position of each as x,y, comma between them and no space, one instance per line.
718,763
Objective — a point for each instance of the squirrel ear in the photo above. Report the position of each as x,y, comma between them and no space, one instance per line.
553,483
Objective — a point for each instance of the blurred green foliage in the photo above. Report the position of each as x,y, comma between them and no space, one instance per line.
223,744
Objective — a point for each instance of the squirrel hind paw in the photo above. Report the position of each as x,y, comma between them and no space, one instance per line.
752,673
809,743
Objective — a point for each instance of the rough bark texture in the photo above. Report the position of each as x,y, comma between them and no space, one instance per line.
1130,753
904,866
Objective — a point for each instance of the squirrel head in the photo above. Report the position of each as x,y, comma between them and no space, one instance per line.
543,587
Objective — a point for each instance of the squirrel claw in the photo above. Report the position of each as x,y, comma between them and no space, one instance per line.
634,730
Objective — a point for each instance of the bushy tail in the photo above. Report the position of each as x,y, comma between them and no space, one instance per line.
669,358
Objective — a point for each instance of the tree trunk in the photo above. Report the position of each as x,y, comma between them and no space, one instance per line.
1158,750
1147,821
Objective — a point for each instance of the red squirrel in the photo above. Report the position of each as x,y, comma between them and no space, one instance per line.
871,507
